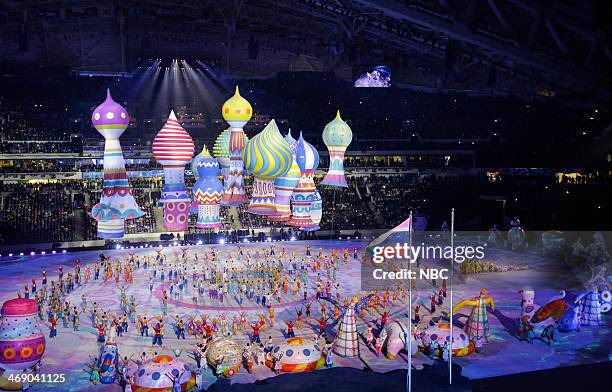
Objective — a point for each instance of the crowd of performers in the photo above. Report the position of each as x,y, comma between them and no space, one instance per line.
261,278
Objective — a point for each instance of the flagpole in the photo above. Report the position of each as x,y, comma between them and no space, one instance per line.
452,243
409,337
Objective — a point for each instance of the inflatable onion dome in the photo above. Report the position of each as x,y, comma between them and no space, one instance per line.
172,144
225,356
337,133
440,332
19,307
237,109
298,355
292,142
268,154
221,148
110,118
307,156
212,164
154,375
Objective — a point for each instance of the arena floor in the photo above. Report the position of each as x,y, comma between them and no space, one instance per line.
505,354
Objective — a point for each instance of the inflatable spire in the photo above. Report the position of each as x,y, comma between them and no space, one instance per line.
237,111
117,203
173,149
207,190
337,136
267,156
284,185
303,196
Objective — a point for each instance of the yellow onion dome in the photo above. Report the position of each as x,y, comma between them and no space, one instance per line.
237,109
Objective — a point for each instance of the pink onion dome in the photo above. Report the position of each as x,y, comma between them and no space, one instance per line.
172,145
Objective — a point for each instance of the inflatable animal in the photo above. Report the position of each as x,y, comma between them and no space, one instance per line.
396,339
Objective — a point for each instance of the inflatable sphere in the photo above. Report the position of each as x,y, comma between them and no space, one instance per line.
156,375
298,355
225,356
22,343
440,333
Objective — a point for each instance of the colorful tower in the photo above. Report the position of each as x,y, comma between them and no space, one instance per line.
284,185
307,158
347,342
267,156
237,111
117,203
173,149
337,136
207,190
316,212
221,152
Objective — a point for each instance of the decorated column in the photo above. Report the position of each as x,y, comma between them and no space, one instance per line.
267,156
337,136
284,185
307,158
237,111
173,149
117,203
207,190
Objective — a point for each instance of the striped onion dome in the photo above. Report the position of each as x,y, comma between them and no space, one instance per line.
221,147
292,142
172,144
337,133
110,118
307,156
268,155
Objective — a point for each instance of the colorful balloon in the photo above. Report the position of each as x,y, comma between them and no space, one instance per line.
117,203
207,191
173,149
267,156
337,136
237,111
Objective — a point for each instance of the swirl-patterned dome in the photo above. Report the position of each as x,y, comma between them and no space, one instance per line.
237,109
307,156
268,155
110,118
172,144
292,142
337,133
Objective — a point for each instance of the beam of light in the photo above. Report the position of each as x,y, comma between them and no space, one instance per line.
144,80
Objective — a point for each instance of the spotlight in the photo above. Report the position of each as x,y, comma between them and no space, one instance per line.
200,242
43,252
118,247
10,255
32,253
21,254
53,252
175,243
64,251
292,238
246,240
269,239
222,241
